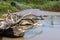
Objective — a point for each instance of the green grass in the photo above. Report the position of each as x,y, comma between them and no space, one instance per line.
5,6
22,6
49,6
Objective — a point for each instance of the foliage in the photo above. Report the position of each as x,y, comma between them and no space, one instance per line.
5,6
13,3
49,5
17,5
35,1
22,6
12,6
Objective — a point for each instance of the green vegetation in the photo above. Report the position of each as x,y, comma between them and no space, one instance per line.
48,5
51,6
5,6
12,7
22,6
18,5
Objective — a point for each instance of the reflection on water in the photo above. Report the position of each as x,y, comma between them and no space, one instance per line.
41,31
5,38
51,29
0,38
28,36
33,32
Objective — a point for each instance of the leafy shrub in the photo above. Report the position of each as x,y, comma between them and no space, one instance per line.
56,7
5,6
13,3
22,6
51,6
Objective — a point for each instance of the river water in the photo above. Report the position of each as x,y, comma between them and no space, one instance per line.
50,30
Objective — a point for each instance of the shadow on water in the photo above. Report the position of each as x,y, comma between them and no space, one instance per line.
6,38
31,35
34,35
21,38
0,38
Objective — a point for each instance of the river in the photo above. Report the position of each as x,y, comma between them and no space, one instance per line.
47,32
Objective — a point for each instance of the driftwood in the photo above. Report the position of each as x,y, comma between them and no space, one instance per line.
10,22
10,25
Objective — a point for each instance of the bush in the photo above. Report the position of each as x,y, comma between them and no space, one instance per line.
35,1
52,6
22,6
13,3
49,6
56,7
5,6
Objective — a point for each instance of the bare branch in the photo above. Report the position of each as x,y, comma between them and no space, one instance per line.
22,17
